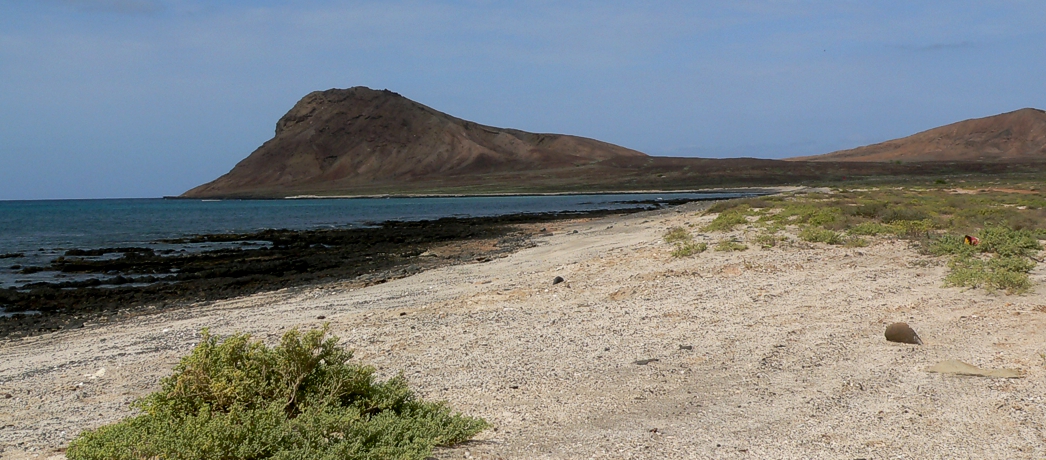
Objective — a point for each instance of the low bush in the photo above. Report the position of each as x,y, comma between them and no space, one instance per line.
997,273
238,399
726,221
912,228
689,248
949,245
677,235
1009,242
902,213
767,240
871,228
855,242
820,235
730,245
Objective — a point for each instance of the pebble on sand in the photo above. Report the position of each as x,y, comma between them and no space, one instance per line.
902,333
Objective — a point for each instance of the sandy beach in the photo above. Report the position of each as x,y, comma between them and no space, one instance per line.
764,353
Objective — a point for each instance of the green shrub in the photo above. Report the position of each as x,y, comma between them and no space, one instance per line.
677,235
820,235
1009,242
949,245
869,210
721,206
855,242
726,221
912,228
767,240
871,228
900,213
1006,273
730,245
238,399
823,216
689,248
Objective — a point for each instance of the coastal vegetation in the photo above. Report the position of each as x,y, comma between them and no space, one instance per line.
1006,221
685,246
305,398
727,245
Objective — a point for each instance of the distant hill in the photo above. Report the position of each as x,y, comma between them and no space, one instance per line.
360,141
359,138
1018,136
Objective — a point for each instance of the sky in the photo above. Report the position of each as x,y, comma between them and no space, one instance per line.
147,98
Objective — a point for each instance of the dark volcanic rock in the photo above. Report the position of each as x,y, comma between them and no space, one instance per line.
144,281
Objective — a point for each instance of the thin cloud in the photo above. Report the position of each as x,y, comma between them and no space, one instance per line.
963,45
116,6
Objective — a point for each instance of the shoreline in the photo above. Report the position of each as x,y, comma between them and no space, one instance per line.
142,281
768,353
755,191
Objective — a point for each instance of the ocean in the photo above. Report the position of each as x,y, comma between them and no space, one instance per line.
32,233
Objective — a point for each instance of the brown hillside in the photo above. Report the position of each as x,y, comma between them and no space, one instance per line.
1018,136
344,139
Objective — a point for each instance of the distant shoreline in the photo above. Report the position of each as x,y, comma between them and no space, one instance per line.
752,190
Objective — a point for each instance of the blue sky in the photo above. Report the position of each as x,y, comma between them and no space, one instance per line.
144,98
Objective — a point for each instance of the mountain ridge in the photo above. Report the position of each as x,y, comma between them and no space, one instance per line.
1017,136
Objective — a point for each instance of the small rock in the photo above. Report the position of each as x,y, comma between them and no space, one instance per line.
321,317
557,280
644,362
902,333
403,313
514,387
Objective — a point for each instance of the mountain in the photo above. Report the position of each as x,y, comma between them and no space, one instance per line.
359,139
1018,136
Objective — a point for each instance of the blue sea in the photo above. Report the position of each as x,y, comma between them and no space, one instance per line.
43,230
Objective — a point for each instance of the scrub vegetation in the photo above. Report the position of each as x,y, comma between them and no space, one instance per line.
239,399
684,242
1008,219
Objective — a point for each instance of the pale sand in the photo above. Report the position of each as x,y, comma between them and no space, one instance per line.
788,358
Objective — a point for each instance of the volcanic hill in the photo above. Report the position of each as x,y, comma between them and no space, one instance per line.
1018,136
359,139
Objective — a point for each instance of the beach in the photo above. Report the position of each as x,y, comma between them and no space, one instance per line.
763,353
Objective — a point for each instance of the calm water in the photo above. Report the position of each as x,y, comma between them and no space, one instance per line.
43,230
